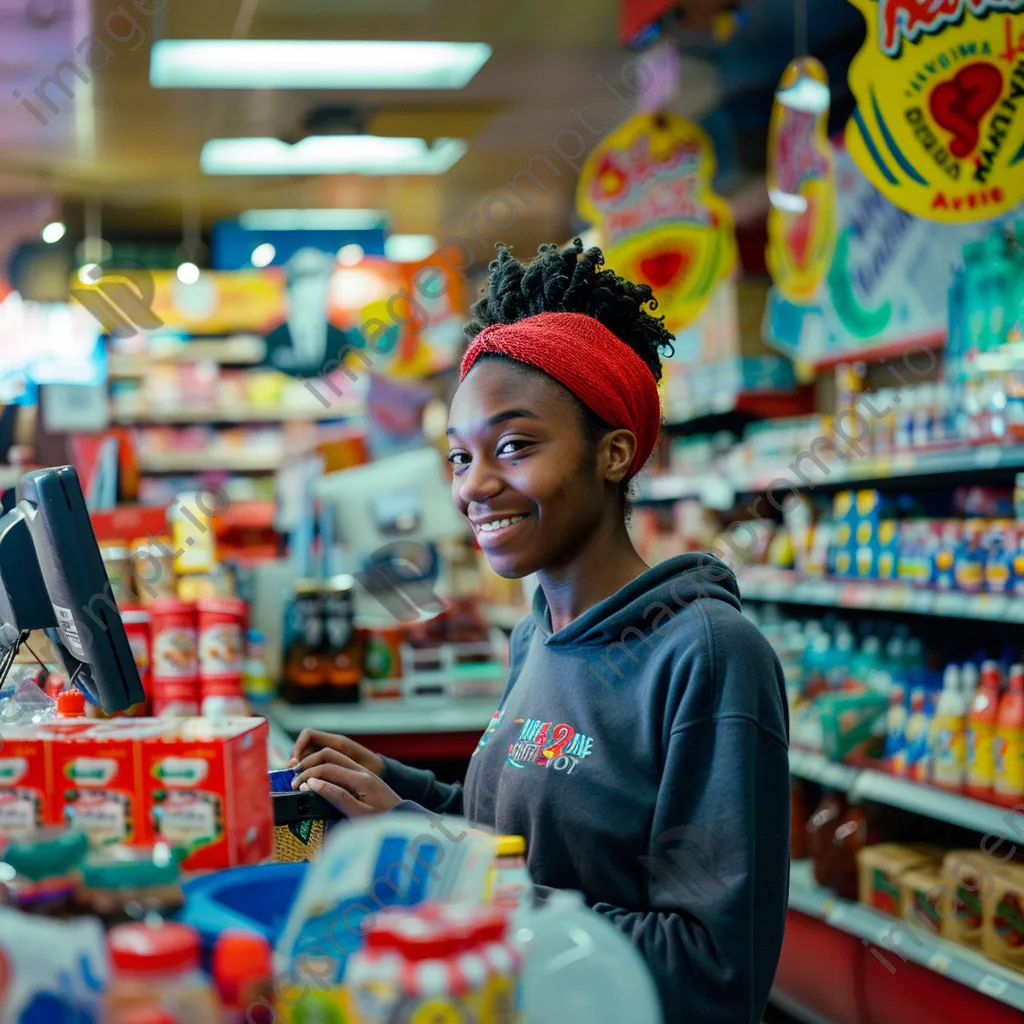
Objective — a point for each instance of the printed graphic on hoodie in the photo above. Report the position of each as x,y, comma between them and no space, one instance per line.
491,730
549,745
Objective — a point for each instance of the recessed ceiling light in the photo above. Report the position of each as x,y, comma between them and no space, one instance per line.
263,255
331,154
53,232
409,248
313,220
313,64
188,273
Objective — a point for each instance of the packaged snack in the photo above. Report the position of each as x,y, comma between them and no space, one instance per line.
201,784
1003,933
967,879
881,868
27,795
921,897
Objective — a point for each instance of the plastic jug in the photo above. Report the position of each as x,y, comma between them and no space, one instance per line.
1009,745
948,737
579,967
981,734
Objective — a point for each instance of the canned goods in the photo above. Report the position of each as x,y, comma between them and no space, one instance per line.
174,641
153,569
221,623
138,627
176,700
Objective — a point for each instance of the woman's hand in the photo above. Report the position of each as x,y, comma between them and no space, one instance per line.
312,740
354,789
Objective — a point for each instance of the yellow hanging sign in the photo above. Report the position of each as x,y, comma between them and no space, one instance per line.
801,183
647,188
939,124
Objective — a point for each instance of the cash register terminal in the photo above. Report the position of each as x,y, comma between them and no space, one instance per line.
52,578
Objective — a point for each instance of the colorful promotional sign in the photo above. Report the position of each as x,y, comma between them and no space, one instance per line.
647,187
939,124
801,184
887,283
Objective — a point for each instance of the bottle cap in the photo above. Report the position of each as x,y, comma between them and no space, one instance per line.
511,846
240,957
142,948
71,704
1017,677
951,678
47,853
123,868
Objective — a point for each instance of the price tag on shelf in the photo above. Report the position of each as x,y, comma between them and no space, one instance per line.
939,962
949,604
921,601
828,906
995,606
990,985
987,457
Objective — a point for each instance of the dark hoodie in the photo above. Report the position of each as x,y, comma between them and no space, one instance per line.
642,752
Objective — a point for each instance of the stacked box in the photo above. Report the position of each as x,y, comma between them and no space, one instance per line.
189,782
921,897
203,786
967,880
881,870
1003,933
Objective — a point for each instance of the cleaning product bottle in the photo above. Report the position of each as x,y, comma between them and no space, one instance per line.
895,737
949,733
1008,788
981,733
968,688
918,740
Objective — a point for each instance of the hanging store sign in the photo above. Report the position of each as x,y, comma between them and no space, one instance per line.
647,188
939,124
801,183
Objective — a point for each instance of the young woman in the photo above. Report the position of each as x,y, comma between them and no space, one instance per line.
641,743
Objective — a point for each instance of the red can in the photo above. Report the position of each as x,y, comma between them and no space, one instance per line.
138,626
176,700
221,640
174,641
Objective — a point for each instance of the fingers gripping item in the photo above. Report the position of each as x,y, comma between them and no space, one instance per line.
611,380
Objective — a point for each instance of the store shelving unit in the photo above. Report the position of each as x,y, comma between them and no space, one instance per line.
232,460
882,932
235,350
937,463
313,412
400,717
785,587
870,785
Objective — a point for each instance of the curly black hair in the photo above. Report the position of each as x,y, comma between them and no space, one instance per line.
571,280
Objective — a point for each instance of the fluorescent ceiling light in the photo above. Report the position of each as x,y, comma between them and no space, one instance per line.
331,154
409,248
313,220
807,95
312,64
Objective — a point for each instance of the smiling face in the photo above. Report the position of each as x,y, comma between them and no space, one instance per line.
531,482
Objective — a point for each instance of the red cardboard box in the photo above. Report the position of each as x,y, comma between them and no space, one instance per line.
205,783
25,783
95,779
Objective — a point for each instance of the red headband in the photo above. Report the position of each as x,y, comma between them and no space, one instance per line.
600,369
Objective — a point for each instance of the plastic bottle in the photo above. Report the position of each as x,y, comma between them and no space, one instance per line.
158,967
580,967
918,737
968,687
981,733
511,885
949,733
243,971
895,731
1008,787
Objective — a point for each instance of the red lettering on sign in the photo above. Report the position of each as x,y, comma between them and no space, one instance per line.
982,197
908,19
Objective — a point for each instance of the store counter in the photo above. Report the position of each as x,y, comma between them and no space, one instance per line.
407,730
